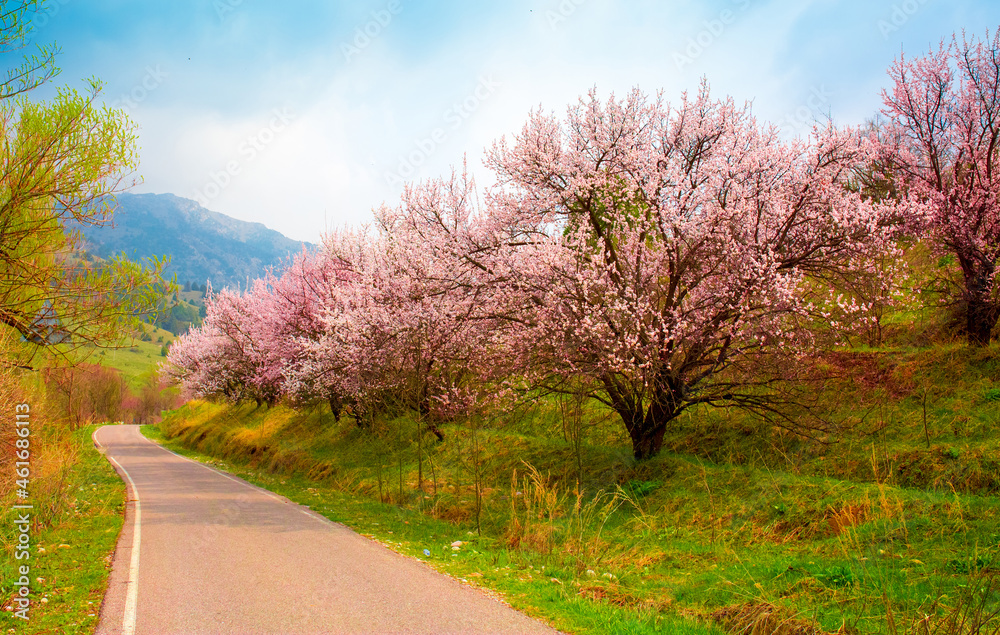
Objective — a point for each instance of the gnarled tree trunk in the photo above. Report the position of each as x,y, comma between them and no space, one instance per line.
980,318
981,311
646,425
335,407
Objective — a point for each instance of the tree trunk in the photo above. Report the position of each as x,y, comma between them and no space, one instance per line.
647,442
432,427
646,429
360,415
981,311
980,318
646,426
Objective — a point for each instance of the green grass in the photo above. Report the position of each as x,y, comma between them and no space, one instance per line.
536,584
192,297
136,362
919,418
70,558
736,523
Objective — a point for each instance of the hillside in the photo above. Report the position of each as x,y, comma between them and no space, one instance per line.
738,527
202,245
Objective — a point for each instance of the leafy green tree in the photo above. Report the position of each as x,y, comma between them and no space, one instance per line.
61,162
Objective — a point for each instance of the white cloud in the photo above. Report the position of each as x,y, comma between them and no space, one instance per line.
393,105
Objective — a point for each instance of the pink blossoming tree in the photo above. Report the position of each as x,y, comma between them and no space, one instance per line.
659,257
943,146
662,253
231,354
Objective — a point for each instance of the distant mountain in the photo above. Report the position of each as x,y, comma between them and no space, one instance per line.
202,244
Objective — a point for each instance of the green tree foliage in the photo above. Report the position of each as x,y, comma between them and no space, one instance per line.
61,161
178,316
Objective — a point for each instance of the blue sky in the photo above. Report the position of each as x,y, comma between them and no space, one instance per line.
305,115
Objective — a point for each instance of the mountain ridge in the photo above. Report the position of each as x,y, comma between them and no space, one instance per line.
203,245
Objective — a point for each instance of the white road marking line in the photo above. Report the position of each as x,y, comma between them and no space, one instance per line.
311,513
132,595
97,444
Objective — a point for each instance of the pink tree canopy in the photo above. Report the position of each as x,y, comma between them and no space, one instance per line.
231,354
657,256
661,252
942,146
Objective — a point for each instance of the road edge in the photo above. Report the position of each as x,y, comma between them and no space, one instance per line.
490,593
128,540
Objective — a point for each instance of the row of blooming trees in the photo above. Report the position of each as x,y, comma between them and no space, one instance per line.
654,257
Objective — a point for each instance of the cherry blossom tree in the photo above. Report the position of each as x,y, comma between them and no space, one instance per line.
664,254
232,354
438,301
302,293
662,257
941,147
197,360
389,317
323,309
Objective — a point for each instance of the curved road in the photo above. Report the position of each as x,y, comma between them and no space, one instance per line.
204,552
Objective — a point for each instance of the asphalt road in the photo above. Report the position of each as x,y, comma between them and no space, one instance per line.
204,552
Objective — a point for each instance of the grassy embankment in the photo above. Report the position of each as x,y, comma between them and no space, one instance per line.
78,509
891,526
76,496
